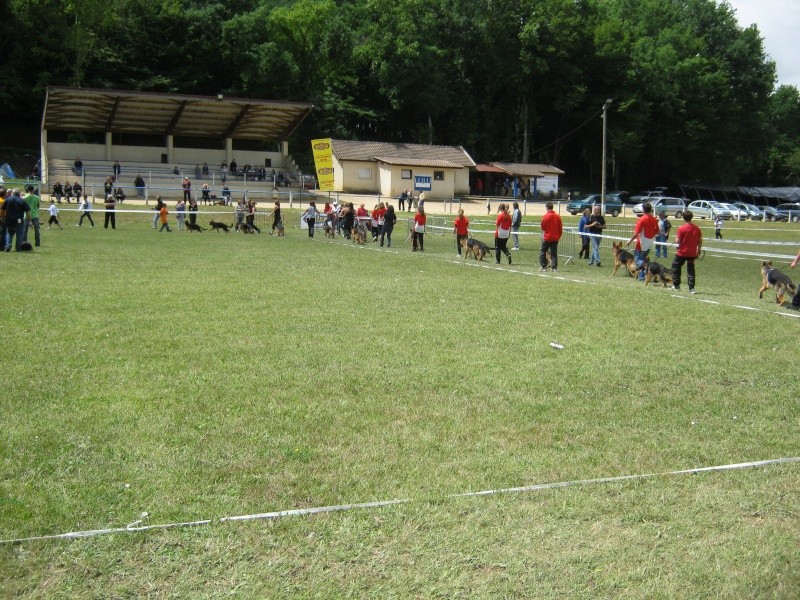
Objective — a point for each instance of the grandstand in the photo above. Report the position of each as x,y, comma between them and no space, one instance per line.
165,137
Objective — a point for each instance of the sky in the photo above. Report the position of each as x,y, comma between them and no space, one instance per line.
778,22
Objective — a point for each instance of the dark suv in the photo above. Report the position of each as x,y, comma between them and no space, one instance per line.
613,203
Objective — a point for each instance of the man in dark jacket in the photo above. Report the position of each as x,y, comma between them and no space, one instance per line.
16,211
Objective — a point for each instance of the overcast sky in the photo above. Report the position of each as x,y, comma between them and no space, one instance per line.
778,22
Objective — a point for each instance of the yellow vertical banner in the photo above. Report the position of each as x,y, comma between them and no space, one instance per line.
323,162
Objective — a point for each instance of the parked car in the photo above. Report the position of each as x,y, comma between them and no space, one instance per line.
649,195
791,210
753,212
770,214
613,203
673,207
737,214
709,209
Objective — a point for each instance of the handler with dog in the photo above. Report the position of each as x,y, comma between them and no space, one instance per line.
644,233
690,242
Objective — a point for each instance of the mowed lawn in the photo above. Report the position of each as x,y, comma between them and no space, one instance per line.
200,376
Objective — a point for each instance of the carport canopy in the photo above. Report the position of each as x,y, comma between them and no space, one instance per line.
96,110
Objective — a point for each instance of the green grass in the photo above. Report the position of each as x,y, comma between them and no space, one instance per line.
203,376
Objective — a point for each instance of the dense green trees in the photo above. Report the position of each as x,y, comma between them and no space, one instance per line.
513,80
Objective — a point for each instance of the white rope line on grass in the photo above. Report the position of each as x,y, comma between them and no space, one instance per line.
135,527
150,212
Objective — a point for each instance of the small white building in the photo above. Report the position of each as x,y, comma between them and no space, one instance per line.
387,168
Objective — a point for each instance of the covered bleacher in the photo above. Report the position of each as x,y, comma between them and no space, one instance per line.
162,138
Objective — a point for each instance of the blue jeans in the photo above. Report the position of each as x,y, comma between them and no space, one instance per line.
595,250
661,250
13,229
638,257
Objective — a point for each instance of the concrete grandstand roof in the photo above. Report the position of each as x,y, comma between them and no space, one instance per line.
369,151
118,111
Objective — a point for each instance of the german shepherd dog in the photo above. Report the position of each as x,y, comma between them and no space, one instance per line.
475,247
772,277
330,231
247,228
360,234
279,227
656,272
217,226
623,257
194,227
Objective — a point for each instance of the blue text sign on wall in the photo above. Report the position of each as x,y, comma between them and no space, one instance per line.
422,183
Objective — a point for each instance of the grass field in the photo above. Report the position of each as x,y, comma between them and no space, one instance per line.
204,376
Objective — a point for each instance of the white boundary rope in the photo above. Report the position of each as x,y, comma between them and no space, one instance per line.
299,512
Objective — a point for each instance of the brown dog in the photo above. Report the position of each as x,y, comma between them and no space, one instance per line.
360,234
475,247
623,257
772,277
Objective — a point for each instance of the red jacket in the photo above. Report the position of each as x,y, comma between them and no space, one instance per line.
551,226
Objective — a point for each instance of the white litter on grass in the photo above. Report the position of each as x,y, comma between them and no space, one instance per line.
556,345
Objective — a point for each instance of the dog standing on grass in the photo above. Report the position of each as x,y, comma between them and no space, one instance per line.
623,257
772,277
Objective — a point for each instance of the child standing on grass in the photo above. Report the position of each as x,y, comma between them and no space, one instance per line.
418,239
460,229
86,207
53,215
162,213
718,227
180,208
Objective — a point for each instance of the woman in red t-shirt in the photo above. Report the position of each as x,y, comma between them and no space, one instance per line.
419,230
461,230
502,232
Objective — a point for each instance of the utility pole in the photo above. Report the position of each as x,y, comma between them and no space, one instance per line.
603,171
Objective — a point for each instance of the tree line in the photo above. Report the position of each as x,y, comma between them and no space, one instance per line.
693,93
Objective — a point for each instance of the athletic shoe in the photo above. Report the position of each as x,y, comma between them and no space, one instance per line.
599,265
555,270
674,288
543,269
515,248
691,291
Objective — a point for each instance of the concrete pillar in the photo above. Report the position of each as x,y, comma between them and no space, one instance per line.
170,149
109,145
285,148
228,150
43,154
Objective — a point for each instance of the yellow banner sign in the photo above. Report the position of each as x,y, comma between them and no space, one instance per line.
323,162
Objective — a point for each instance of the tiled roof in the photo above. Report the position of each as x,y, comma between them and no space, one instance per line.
418,162
529,170
352,150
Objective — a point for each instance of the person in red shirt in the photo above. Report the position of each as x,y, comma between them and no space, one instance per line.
551,233
418,237
502,232
645,234
461,229
690,242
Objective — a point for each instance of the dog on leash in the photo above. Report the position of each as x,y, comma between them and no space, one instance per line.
247,228
280,229
772,277
623,257
656,272
360,234
194,227
217,226
329,229
475,247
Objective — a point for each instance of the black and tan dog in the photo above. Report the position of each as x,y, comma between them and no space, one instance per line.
360,234
772,277
194,227
217,226
623,257
656,272
330,231
247,228
475,247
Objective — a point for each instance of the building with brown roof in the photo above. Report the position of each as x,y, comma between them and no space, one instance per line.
388,168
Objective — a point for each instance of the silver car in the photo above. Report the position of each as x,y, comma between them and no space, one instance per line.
709,209
672,207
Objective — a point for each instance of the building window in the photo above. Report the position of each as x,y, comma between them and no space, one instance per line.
365,173
438,175
405,173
